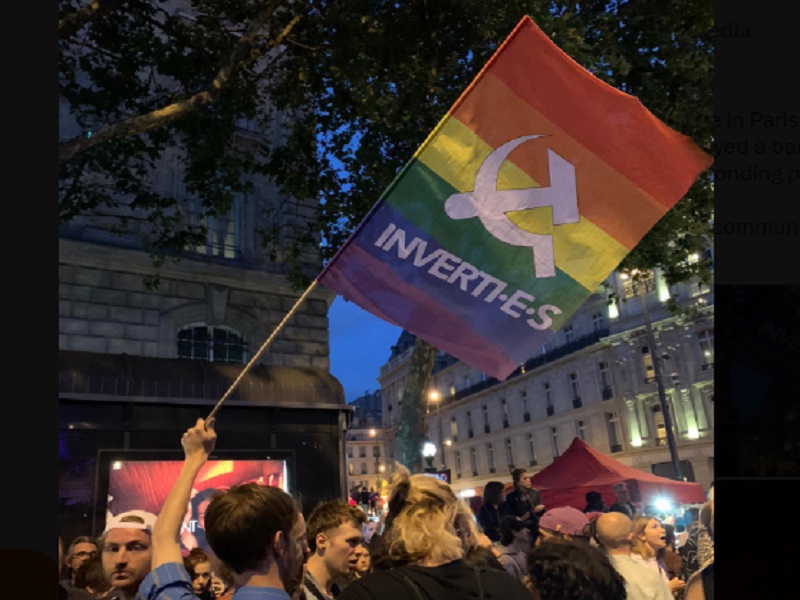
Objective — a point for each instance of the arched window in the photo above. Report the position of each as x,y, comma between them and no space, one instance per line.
214,344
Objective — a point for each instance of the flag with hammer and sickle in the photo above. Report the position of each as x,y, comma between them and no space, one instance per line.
523,199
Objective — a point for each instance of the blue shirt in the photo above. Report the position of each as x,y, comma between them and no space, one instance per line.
171,581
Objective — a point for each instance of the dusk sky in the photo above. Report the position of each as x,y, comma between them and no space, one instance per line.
360,344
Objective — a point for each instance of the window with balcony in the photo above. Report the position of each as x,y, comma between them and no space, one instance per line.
473,460
362,452
548,399
606,392
486,428
376,451
526,412
470,431
647,362
660,426
705,339
598,321
458,464
509,453
631,287
554,440
222,230
363,468
531,450
569,334
214,344
614,436
350,452
350,468
576,390
454,429
490,457
505,413
580,429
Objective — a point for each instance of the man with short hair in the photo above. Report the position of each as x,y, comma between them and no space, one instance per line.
614,533
623,502
334,537
257,531
81,550
126,549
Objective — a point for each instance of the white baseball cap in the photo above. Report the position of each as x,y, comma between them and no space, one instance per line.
118,522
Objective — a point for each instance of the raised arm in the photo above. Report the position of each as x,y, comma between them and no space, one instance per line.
198,442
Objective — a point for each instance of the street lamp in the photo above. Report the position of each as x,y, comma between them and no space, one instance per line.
429,451
641,289
434,396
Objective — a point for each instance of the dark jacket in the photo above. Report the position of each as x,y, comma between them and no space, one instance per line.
452,581
488,518
626,509
519,502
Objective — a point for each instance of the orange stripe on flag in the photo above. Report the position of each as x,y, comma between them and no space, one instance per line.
605,197
609,123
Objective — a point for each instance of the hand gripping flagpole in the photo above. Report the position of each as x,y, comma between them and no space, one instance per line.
263,347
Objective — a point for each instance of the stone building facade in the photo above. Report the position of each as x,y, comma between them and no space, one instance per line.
594,379
366,458
139,362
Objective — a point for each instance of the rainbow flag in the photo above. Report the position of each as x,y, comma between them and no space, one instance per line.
522,200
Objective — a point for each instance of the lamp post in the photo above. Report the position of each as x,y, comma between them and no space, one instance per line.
428,452
435,397
641,289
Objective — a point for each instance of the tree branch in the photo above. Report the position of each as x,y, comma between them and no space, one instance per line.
69,25
245,52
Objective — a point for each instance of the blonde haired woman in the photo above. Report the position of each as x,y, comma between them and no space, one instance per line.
649,542
428,533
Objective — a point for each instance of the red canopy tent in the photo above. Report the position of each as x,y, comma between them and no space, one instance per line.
584,469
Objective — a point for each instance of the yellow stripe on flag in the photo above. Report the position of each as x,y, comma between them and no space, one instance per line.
582,250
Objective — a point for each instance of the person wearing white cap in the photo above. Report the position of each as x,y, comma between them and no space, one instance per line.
126,550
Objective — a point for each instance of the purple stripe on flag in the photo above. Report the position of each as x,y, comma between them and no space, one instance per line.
377,288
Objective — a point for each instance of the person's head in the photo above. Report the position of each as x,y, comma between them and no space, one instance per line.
512,529
252,527
126,548
426,521
369,529
363,561
649,536
561,570
334,535
81,550
92,578
613,531
622,493
521,478
594,498
493,493
198,565
564,522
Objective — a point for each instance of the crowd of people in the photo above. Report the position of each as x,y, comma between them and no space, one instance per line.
428,544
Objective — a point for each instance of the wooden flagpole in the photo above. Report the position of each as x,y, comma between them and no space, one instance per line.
263,347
